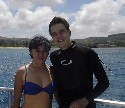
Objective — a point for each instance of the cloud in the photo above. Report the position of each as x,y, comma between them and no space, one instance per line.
29,17
33,22
26,21
50,2
99,18
28,4
5,16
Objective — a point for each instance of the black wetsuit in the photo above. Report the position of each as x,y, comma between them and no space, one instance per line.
73,71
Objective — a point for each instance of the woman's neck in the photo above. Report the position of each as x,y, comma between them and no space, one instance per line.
37,65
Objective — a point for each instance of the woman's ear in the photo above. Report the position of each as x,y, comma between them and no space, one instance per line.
31,54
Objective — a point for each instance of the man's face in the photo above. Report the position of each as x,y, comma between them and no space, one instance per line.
60,35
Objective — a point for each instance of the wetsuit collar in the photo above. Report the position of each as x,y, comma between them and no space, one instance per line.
68,49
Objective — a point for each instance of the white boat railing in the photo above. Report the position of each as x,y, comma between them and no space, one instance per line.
110,103
100,101
10,91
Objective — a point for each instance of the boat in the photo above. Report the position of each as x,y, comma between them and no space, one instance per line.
100,101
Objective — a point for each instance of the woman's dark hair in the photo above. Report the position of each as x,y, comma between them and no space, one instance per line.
57,20
37,41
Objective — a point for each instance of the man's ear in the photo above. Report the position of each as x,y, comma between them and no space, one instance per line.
69,32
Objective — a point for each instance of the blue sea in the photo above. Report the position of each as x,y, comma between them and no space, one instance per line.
114,59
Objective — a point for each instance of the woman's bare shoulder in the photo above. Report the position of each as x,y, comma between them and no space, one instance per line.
21,70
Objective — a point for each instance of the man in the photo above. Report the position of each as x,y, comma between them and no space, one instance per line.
73,69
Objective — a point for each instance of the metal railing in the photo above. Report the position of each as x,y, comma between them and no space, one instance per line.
110,103
10,91
100,101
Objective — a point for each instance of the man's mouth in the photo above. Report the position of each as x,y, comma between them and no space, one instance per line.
61,40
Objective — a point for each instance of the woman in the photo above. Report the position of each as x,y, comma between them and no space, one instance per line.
34,78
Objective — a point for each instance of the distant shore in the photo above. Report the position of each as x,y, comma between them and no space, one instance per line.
53,47
14,47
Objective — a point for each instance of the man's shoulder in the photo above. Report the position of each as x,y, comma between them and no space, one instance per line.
84,49
55,52
54,55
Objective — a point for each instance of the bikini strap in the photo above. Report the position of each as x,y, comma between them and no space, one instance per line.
26,70
48,67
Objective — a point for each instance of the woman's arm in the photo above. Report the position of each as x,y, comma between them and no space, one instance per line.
18,87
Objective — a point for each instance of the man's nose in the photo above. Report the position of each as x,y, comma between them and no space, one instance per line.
59,35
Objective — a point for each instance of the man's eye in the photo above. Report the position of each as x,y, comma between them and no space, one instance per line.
53,34
62,31
37,50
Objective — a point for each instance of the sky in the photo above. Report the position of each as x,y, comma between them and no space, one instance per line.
87,18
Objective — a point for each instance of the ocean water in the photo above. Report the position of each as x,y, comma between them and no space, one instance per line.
114,59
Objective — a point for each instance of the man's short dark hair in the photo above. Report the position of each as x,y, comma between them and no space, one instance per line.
57,20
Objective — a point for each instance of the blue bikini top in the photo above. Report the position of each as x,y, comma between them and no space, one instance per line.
33,89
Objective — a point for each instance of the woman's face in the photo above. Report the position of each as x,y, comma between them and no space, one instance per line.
40,54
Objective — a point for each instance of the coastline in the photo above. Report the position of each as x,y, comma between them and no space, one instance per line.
53,47
14,47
